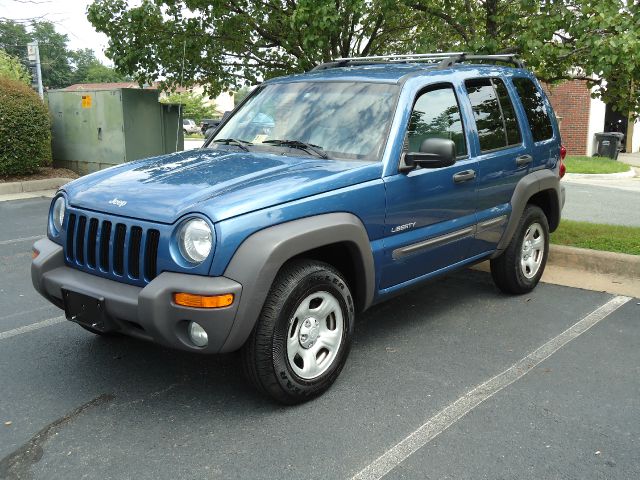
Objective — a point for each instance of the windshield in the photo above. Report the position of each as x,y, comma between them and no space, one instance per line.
343,120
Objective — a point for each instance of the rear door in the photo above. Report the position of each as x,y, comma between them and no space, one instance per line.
545,139
504,156
430,212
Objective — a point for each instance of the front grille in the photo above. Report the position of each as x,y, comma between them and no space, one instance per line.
112,249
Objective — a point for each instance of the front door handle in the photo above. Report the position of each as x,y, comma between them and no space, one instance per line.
523,160
464,176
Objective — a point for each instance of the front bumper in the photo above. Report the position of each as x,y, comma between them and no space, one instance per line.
147,313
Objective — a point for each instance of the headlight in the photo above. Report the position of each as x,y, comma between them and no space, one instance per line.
195,240
57,213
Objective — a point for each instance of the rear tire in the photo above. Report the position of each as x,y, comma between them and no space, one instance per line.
301,340
519,268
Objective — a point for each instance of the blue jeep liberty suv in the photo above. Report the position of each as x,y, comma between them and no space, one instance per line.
321,195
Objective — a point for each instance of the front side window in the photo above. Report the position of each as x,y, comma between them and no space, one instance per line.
436,115
533,104
346,120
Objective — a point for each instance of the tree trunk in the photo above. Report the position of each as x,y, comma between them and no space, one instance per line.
491,9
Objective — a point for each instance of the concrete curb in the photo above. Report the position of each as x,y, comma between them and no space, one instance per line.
601,176
32,185
595,261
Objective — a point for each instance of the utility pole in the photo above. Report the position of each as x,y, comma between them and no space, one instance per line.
33,52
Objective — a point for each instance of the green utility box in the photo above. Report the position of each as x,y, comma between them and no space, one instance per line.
96,129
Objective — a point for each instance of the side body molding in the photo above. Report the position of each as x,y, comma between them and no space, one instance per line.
527,187
258,259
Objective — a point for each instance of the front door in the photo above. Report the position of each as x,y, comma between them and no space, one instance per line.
430,216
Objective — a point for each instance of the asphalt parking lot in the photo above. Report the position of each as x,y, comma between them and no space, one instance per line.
452,380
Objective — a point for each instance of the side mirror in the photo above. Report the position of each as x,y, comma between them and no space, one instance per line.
434,153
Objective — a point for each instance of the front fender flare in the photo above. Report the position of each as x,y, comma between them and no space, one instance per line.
259,258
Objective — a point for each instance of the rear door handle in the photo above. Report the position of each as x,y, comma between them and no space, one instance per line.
464,176
523,160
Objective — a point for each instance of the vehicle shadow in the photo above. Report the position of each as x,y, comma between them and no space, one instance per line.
138,372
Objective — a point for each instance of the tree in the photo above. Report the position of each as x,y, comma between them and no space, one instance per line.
14,38
229,43
12,68
54,54
241,94
192,106
88,69
592,40
60,66
232,43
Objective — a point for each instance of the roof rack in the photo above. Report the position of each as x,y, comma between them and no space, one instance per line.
465,57
443,60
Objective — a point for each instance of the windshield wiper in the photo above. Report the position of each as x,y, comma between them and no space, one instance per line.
232,141
307,147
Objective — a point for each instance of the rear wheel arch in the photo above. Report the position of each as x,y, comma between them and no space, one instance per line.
549,203
540,188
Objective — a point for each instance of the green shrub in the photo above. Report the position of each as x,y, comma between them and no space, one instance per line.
25,129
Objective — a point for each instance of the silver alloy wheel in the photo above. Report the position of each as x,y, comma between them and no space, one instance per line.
314,336
532,250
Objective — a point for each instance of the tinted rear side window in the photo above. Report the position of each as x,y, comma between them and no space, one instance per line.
486,111
508,112
534,107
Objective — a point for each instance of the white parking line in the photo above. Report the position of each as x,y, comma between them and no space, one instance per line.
31,328
23,239
458,409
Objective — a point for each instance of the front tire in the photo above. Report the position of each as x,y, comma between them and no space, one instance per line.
520,267
302,338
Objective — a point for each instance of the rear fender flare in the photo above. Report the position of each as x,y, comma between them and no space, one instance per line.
527,187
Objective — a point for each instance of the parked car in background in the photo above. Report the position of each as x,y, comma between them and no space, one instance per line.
321,195
189,126
209,125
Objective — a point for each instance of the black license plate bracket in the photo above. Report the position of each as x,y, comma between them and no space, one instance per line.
85,310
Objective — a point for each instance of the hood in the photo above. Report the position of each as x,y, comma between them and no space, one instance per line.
162,189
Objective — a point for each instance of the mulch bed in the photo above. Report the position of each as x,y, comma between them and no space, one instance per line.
44,172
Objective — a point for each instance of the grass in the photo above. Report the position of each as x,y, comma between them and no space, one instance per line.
610,238
197,136
582,164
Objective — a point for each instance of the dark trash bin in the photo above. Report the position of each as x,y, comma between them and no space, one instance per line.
608,144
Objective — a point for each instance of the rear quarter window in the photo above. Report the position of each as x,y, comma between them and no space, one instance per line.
534,108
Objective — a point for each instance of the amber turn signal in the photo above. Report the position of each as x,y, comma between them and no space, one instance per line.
203,301
34,253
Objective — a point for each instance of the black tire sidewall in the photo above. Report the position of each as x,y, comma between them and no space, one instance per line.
531,215
320,280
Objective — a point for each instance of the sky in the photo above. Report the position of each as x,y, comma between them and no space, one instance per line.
69,17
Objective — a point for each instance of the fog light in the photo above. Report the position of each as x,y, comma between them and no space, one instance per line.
197,335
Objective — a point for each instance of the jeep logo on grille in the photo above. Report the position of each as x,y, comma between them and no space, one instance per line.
118,203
